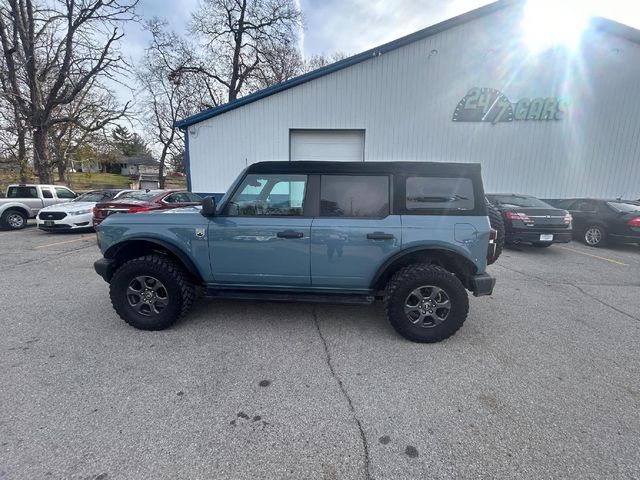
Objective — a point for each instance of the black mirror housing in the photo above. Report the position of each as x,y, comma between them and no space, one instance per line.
208,207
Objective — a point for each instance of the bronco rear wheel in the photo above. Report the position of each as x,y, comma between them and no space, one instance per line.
426,303
151,292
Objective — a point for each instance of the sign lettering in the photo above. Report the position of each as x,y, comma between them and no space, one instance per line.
492,106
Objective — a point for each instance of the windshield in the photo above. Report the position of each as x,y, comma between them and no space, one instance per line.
139,195
518,201
625,206
93,197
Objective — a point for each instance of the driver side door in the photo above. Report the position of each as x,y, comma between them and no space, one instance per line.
262,237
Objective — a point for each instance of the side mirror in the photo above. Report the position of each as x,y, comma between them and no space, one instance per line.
208,207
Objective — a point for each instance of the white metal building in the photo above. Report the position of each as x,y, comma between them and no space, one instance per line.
556,123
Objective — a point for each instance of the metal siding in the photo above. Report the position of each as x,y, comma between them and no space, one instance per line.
404,100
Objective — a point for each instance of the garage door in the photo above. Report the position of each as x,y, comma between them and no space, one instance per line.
340,145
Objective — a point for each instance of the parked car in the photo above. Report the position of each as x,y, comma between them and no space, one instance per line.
415,234
597,222
76,214
144,201
528,219
24,201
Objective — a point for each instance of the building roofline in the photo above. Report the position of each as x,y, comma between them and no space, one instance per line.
347,62
599,23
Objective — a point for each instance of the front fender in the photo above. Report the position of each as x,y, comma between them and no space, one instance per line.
114,250
182,235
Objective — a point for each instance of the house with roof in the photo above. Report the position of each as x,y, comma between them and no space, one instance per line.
544,114
141,164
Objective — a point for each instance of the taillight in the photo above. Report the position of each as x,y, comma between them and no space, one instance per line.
138,209
518,216
634,222
568,219
95,211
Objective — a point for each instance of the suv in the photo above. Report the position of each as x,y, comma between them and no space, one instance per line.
414,234
24,201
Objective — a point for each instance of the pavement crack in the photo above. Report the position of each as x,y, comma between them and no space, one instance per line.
577,287
605,303
327,353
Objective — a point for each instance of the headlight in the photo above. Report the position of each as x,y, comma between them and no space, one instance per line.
80,212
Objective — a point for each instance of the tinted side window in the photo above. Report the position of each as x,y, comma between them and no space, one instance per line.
426,193
22,192
192,197
173,198
64,193
585,206
182,197
354,196
46,193
566,204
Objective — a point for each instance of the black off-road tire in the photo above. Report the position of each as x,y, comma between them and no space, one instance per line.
180,291
542,244
414,276
495,218
6,223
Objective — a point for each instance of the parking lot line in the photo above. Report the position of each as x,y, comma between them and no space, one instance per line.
61,243
594,256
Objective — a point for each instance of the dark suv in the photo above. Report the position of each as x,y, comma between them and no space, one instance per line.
414,234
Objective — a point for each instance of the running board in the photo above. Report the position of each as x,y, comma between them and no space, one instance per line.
303,297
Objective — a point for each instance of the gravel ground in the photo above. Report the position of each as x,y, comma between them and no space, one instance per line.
543,380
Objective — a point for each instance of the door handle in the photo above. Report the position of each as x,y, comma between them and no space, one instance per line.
380,236
290,234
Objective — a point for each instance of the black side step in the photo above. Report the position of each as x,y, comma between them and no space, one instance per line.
304,297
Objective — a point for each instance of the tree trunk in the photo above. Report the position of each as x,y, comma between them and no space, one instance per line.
22,158
163,156
62,169
41,161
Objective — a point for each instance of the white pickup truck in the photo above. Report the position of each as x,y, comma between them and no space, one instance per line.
24,201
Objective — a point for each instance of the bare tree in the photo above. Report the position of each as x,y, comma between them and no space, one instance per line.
320,60
240,37
167,97
283,62
53,51
92,111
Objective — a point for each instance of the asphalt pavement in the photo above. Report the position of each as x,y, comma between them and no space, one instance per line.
542,381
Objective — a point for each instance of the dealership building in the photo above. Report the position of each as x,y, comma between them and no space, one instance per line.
554,119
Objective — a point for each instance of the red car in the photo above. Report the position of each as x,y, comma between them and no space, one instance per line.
144,201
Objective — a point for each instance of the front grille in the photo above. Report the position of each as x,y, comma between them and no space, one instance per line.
52,215
55,227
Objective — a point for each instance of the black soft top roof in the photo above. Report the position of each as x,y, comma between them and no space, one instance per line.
430,168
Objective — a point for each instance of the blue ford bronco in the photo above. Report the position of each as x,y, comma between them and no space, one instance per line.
415,234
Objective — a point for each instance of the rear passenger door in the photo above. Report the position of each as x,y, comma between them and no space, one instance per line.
354,232
583,212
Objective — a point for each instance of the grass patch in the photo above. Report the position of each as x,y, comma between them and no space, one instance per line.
88,181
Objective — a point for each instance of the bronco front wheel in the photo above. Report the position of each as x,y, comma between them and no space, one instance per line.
426,303
151,292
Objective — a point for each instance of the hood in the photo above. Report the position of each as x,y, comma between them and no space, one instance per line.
188,209
69,206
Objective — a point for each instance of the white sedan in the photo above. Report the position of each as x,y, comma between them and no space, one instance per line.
76,214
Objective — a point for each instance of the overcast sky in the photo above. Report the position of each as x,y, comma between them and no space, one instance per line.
352,26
